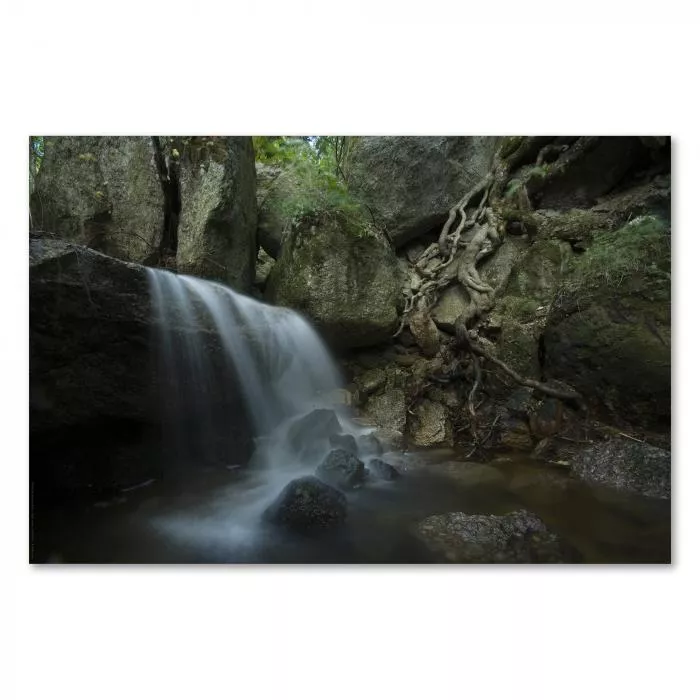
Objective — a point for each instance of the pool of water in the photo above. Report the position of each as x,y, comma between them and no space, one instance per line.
215,518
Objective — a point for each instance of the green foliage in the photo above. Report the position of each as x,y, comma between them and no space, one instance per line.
642,247
313,184
36,153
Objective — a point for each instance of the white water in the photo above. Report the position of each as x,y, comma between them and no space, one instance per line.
282,369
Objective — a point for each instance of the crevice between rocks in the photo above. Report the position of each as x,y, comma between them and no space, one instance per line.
169,172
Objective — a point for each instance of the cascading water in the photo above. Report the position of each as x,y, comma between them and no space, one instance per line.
214,342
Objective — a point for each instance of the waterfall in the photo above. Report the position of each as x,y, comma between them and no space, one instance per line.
212,344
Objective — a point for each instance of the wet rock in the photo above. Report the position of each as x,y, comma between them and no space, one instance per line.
515,435
94,418
316,426
547,419
383,470
308,506
344,442
369,444
626,466
341,469
430,425
516,538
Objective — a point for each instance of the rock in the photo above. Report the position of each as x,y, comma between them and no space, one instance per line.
104,192
95,421
547,419
370,381
308,506
390,439
430,426
388,410
626,466
594,174
383,470
341,469
521,403
344,442
410,182
425,332
369,444
452,304
515,435
315,427
218,215
516,538
612,342
263,266
351,295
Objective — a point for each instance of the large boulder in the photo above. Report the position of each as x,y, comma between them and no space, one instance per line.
516,538
308,506
411,182
104,192
347,284
95,415
218,212
626,466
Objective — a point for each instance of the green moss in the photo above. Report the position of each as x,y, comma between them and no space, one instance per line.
641,247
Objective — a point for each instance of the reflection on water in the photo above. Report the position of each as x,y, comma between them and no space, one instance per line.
216,518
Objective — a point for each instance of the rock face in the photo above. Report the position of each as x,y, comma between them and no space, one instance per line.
410,182
517,538
341,469
218,212
347,285
104,192
616,349
185,203
627,466
308,506
94,418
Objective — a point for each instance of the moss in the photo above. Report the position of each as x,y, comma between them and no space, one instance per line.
641,249
510,145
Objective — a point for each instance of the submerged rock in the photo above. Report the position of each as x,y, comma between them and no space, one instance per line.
383,470
516,538
344,442
369,444
627,466
308,506
314,427
341,469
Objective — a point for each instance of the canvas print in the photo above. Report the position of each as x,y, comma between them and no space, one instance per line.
350,349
